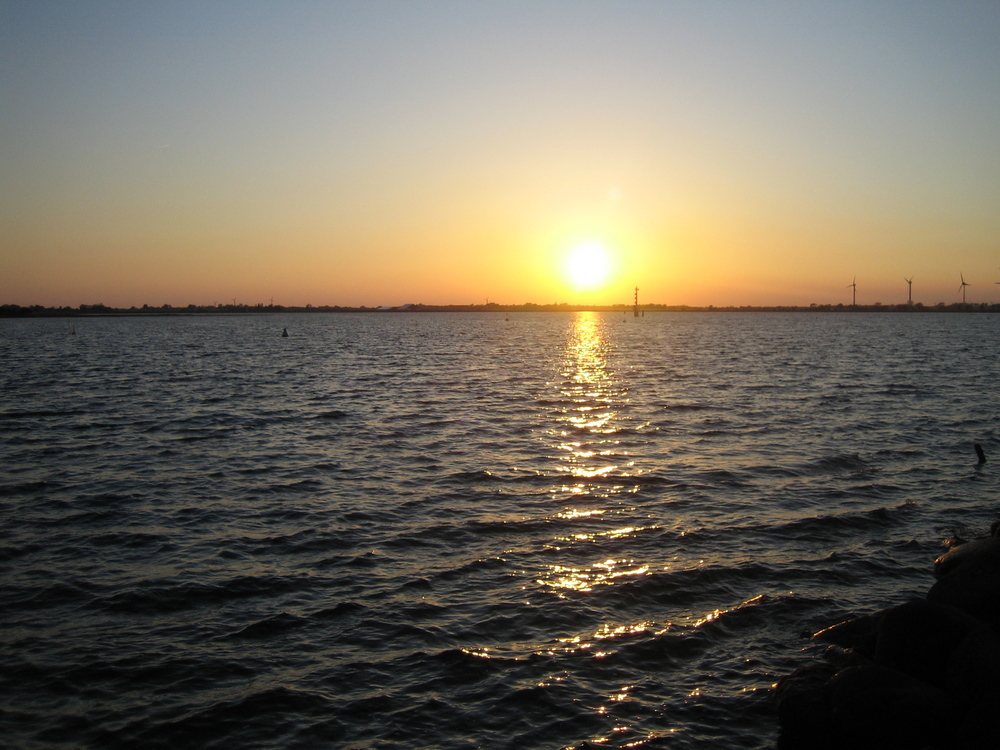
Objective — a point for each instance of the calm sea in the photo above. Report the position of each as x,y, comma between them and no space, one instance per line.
460,531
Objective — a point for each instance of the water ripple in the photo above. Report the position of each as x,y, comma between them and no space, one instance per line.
554,531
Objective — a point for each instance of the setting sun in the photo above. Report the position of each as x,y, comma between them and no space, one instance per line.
588,265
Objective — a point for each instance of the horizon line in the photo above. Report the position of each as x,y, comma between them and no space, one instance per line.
9,310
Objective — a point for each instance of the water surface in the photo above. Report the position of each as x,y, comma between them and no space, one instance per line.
456,530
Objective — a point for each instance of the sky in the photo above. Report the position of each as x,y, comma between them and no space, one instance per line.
384,153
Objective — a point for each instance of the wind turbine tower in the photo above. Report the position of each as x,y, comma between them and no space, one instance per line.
962,288
909,295
854,285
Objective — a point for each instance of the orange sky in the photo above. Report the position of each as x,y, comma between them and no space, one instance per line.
448,152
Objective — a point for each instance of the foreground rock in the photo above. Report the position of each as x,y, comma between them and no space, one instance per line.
923,675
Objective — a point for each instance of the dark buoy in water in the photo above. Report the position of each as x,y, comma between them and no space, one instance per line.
284,333
980,453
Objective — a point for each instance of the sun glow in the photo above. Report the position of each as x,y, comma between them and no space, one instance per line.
588,266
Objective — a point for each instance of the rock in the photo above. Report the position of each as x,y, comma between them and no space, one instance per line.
969,579
974,666
860,707
983,552
877,707
978,731
972,588
923,674
803,707
919,637
858,633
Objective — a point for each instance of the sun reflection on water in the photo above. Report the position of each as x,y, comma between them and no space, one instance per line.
596,398
597,540
566,578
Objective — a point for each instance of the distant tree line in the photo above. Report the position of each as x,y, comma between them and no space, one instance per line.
38,311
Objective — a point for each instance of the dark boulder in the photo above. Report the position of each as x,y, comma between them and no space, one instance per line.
983,552
923,674
859,633
877,707
860,707
973,672
969,580
978,728
804,707
918,638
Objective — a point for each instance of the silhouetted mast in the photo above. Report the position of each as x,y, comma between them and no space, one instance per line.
635,307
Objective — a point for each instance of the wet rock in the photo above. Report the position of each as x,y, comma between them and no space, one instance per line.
858,633
877,707
978,730
973,671
969,580
861,706
923,674
984,552
919,637
804,707
974,591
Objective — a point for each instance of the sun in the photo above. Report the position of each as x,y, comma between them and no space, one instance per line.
588,266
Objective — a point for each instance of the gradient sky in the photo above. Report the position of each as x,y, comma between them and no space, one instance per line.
379,153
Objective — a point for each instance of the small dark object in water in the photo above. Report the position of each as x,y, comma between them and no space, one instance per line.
284,333
980,453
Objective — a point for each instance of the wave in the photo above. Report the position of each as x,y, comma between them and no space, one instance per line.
333,414
559,478
269,627
42,413
27,488
242,721
169,595
374,538
828,526
825,465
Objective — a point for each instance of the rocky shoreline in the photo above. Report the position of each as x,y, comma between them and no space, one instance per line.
923,675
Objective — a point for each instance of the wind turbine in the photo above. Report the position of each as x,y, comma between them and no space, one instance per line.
854,285
962,288
909,296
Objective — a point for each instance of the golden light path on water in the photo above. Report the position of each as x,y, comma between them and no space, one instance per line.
595,399
596,396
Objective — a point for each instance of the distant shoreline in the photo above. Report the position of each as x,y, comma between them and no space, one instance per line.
99,310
